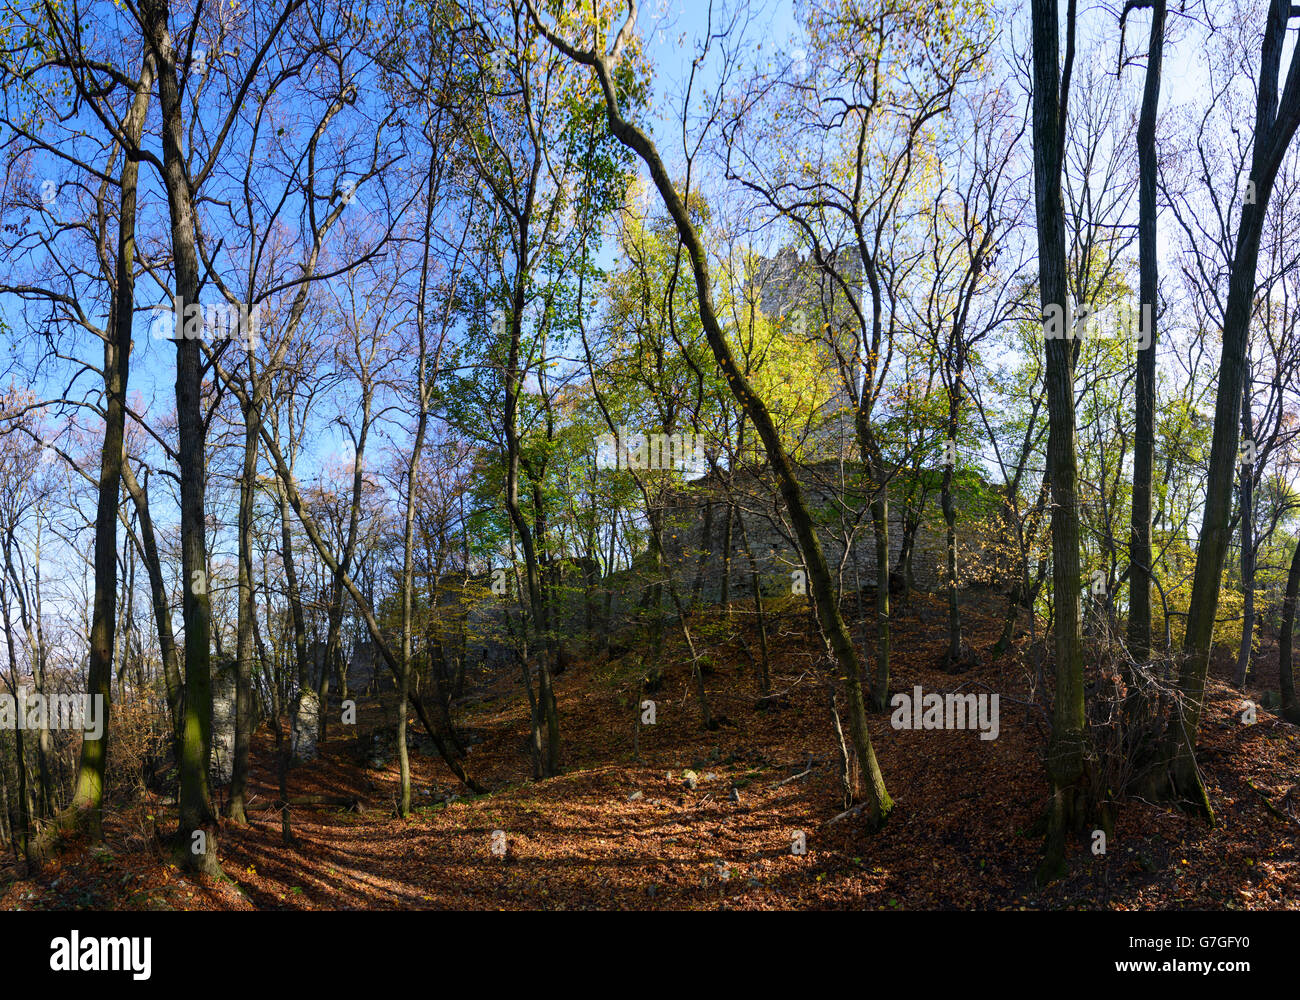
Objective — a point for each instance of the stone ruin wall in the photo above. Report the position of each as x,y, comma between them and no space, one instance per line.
771,539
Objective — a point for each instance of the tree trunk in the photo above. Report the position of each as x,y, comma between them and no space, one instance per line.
537,605
765,663
1247,504
87,798
954,658
880,530
302,667
148,543
1139,620
724,586
244,646
1275,125
1285,672
197,830
1066,759
24,847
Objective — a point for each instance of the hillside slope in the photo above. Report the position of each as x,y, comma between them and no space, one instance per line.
618,833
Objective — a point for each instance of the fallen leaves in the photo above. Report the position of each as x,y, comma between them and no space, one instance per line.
664,832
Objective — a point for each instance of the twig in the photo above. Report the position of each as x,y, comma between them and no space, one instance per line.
855,811
796,777
1271,808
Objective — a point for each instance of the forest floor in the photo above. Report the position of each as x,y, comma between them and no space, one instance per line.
617,833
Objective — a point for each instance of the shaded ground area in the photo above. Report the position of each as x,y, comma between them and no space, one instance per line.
618,833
